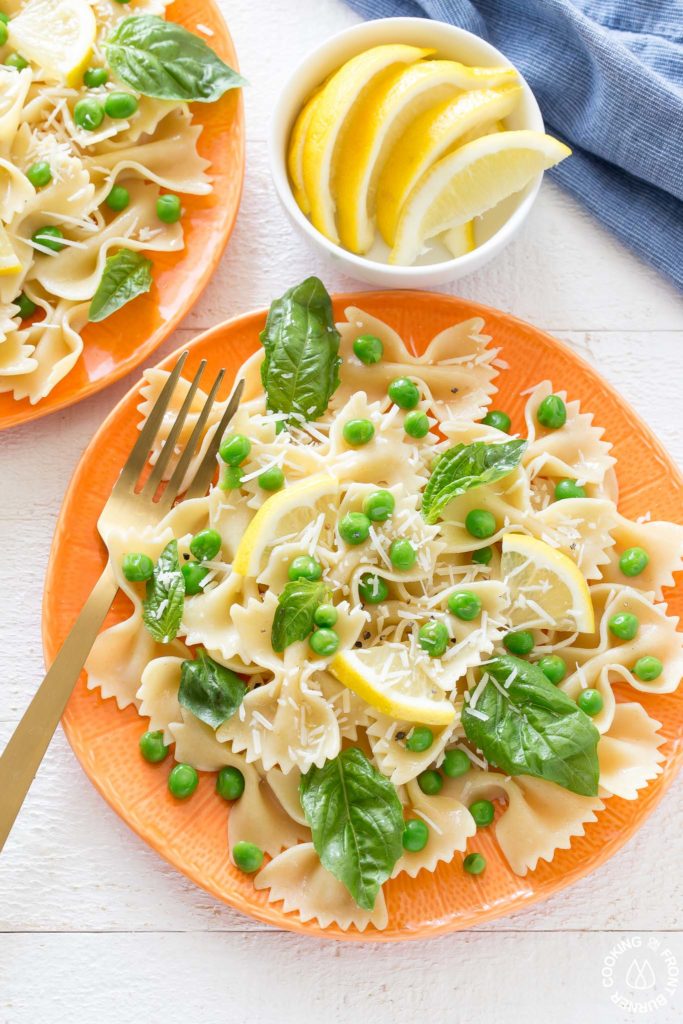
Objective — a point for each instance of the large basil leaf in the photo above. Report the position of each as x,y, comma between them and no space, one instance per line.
357,823
210,691
126,275
467,466
300,372
532,728
162,608
159,58
293,619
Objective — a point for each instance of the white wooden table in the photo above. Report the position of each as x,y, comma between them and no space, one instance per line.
94,925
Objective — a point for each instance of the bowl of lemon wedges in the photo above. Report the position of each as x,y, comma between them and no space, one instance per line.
409,151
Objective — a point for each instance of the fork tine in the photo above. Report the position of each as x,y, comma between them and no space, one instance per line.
138,456
174,484
154,478
205,470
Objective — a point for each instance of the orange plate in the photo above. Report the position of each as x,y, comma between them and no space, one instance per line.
192,835
115,346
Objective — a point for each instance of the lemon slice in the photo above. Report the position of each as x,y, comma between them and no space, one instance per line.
377,120
381,678
469,181
9,261
284,514
430,136
57,35
331,110
460,240
539,576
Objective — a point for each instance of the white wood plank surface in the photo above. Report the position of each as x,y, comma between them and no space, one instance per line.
92,923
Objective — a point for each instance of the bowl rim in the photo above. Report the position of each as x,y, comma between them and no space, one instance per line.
406,276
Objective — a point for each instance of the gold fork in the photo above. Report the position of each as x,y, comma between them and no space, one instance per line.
24,752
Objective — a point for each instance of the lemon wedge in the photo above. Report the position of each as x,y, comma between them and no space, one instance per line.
295,153
57,35
469,181
376,122
460,240
338,96
9,261
379,676
539,576
284,514
430,136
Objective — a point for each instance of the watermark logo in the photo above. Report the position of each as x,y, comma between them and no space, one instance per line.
640,975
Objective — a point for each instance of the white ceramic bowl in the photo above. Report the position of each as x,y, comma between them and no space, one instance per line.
493,232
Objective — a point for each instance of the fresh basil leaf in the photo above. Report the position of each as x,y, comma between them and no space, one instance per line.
210,691
467,466
162,608
296,606
159,58
300,372
532,728
126,275
356,820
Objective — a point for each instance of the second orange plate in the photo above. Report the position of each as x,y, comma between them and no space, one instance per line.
192,835
117,345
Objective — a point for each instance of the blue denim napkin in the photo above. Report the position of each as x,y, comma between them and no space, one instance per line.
608,76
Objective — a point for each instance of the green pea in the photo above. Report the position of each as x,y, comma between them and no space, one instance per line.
430,782
372,589
118,199
169,208
474,863
137,567
88,113
26,307
483,555
324,642
152,746
455,764
234,449
358,432
404,393
4,34
415,835
94,77
303,567
464,605
39,174
354,528
499,420
247,857
230,478
483,812
552,412
566,488
48,236
271,479
633,561
230,783
433,638
368,349
420,739
590,702
193,573
379,505
205,545
15,60
402,554
182,781
519,642
553,668
648,668
325,616
624,625
480,523
119,105
416,424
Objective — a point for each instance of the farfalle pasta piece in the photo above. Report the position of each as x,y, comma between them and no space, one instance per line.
663,543
14,86
56,345
629,752
581,528
450,825
387,740
158,694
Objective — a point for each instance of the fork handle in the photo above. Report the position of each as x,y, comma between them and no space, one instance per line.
24,752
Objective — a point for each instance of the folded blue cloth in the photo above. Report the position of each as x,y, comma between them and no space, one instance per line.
608,77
